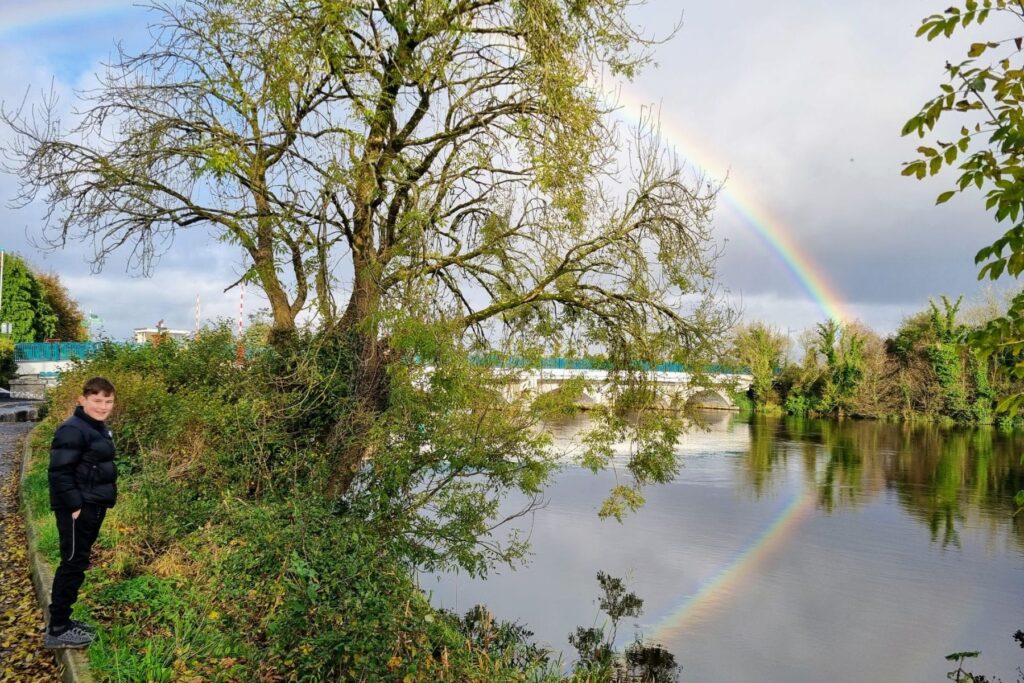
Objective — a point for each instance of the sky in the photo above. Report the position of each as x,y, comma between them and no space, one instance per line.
797,104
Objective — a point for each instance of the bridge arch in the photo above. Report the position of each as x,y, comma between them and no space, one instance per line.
585,400
710,398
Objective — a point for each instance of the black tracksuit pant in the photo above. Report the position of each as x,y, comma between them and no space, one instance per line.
76,539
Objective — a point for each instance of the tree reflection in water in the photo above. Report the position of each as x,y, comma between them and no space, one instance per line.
943,477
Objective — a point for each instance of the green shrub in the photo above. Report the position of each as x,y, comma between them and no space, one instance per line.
224,561
8,366
797,405
742,400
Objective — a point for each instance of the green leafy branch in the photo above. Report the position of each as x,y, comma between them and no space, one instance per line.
989,155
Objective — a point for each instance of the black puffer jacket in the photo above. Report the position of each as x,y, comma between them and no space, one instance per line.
82,466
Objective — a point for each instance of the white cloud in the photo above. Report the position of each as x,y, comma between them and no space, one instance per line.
169,295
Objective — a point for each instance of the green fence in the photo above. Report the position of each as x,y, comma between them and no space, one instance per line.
64,351
54,351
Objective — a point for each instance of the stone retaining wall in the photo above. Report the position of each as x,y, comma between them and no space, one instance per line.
31,387
19,412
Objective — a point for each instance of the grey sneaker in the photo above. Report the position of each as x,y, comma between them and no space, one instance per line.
88,628
74,638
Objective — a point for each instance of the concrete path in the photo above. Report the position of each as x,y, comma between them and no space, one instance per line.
22,657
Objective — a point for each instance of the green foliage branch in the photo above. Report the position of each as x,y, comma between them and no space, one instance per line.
988,152
986,94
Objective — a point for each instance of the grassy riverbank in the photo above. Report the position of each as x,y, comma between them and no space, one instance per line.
222,561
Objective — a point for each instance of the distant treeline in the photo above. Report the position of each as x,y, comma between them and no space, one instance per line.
35,306
925,370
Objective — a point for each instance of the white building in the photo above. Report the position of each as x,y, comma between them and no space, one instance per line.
145,335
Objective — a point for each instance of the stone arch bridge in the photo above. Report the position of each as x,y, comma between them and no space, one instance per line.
709,389
40,364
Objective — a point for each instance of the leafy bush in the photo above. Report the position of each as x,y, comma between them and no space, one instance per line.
25,304
926,370
640,662
8,366
797,405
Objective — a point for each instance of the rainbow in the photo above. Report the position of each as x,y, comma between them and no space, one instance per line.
718,587
629,103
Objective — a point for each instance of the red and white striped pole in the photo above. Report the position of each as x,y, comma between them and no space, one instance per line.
197,313
240,357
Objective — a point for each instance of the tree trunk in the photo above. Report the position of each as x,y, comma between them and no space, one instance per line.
372,355
350,439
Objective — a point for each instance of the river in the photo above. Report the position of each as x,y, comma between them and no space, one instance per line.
789,550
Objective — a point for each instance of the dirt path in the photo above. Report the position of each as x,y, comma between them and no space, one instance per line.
22,657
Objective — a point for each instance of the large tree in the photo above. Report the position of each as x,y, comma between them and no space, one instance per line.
762,349
452,163
24,303
70,322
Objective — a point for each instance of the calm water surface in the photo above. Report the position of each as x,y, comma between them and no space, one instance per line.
790,550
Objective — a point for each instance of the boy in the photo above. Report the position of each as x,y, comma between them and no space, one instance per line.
82,487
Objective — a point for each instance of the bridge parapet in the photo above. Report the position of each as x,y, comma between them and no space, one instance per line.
704,390
40,364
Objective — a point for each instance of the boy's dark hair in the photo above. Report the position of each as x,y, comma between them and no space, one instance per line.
98,385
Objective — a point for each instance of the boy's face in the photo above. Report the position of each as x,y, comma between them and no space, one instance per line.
97,406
